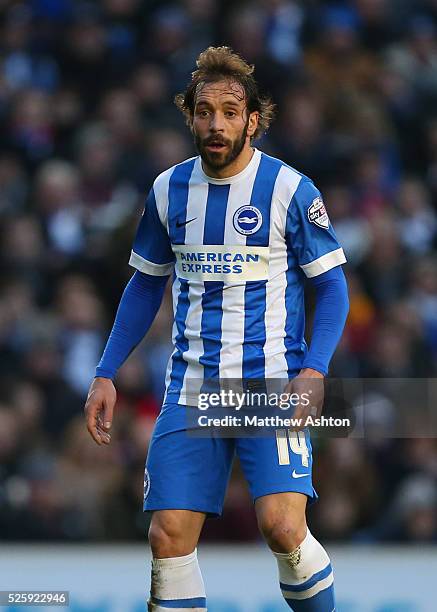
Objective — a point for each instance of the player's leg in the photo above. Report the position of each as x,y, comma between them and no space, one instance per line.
305,571
176,578
281,520
278,470
185,480
174,533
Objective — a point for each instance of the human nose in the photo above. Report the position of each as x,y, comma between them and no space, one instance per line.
216,124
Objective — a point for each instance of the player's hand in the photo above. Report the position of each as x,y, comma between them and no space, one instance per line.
308,385
99,409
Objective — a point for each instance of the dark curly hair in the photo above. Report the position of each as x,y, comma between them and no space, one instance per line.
221,63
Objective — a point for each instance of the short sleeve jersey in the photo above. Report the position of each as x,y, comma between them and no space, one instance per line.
240,249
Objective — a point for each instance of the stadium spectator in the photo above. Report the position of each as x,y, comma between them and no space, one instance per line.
87,121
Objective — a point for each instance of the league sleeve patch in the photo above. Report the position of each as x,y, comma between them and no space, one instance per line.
146,483
317,213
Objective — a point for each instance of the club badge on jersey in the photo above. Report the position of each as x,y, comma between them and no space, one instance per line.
247,220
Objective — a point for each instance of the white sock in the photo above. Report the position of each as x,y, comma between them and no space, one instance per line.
177,580
306,577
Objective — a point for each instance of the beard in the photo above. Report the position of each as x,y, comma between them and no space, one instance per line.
220,159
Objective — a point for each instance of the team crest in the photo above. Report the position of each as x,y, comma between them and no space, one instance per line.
146,483
247,220
317,213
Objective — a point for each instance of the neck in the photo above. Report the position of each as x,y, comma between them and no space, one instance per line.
235,167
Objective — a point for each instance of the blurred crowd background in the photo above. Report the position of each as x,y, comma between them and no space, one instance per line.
86,123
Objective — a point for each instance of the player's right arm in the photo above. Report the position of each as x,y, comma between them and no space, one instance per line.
137,309
154,260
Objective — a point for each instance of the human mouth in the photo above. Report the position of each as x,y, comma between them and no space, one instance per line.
215,146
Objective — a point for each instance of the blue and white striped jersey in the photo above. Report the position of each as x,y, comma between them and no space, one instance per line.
240,248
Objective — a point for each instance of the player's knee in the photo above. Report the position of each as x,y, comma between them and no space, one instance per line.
167,539
164,541
284,533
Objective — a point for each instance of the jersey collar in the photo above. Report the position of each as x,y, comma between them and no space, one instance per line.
251,167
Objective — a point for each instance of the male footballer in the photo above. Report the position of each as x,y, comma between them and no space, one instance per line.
239,231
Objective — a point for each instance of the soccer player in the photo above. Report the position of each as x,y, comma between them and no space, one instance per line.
240,231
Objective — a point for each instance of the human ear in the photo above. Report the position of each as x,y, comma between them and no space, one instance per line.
253,123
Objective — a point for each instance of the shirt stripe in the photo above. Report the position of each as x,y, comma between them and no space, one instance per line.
177,210
196,210
179,365
212,311
231,354
255,292
276,366
177,201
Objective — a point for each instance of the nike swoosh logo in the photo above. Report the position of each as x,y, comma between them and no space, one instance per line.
295,475
182,223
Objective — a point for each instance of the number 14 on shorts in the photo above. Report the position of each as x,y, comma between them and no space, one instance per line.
294,440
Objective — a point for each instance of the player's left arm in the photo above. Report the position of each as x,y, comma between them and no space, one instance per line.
332,307
316,248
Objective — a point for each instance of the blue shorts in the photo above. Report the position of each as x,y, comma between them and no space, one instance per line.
184,472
